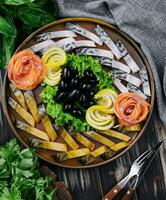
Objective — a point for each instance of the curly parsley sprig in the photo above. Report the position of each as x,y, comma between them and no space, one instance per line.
55,110
82,63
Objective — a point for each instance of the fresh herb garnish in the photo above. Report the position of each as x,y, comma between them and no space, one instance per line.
55,110
83,63
49,93
20,178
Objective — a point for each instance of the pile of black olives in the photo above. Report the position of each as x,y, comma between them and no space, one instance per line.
75,90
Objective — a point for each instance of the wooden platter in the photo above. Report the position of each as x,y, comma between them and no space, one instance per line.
114,34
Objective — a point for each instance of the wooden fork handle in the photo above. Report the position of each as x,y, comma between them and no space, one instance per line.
128,195
112,193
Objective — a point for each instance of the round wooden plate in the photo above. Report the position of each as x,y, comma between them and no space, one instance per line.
114,34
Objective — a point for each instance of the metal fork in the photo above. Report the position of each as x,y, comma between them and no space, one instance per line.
138,168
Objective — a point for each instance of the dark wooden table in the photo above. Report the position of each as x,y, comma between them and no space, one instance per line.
92,184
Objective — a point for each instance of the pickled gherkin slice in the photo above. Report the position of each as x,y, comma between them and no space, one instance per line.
119,146
116,134
19,95
47,123
85,160
93,155
21,111
68,139
31,130
71,154
49,128
32,105
83,140
135,127
99,138
48,145
114,149
99,151
108,154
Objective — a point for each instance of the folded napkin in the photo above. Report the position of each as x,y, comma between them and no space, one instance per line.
143,20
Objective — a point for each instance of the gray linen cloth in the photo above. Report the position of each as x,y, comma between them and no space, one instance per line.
143,20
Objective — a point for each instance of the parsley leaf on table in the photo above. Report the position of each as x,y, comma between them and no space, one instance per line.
20,178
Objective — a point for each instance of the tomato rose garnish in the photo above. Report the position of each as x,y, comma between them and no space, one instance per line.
26,70
130,108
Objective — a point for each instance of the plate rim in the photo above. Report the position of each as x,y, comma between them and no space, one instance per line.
143,58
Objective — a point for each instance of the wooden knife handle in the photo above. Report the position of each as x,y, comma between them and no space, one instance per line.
112,193
128,195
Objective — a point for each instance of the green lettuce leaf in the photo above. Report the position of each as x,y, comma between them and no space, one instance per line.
48,94
83,63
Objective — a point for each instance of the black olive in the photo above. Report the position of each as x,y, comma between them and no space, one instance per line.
91,93
88,104
91,103
86,87
76,112
67,73
74,82
87,73
91,75
68,107
62,96
79,78
83,80
74,95
93,81
82,98
63,85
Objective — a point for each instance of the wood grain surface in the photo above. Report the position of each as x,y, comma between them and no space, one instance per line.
92,184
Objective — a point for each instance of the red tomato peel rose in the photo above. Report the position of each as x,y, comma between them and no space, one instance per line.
26,70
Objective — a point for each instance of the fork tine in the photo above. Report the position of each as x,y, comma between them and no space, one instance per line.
154,149
142,156
151,153
141,161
